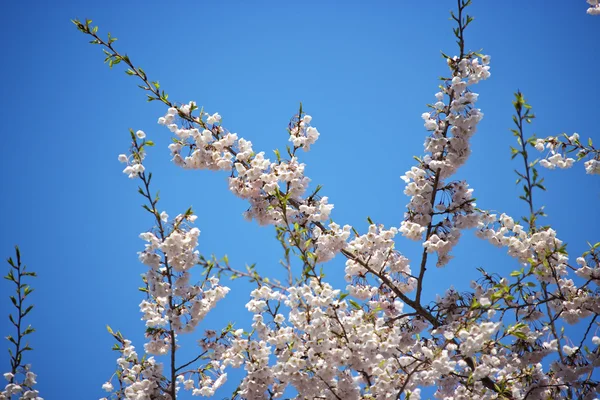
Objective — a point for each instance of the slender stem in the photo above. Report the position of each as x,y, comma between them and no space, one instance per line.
424,255
169,273
524,154
16,361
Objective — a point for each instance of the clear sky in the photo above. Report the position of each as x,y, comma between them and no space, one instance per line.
365,72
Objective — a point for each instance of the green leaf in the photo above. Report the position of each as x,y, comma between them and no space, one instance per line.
27,310
496,295
28,331
10,276
355,304
519,335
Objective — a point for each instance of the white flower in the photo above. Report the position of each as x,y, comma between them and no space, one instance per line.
220,381
238,332
188,384
122,158
107,387
569,351
140,134
595,7
164,217
431,124
30,379
213,119
592,167
539,144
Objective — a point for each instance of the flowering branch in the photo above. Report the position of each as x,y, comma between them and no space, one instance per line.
23,389
561,146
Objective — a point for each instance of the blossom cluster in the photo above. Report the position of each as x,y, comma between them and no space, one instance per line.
174,305
134,161
140,377
265,184
559,148
323,347
452,124
328,346
23,390
375,251
594,8
274,189
549,267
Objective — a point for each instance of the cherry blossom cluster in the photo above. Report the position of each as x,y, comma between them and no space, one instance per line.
594,8
302,135
140,378
329,346
134,161
548,265
452,124
503,231
324,347
23,390
559,147
206,386
375,251
255,177
174,305
274,190
206,152
589,266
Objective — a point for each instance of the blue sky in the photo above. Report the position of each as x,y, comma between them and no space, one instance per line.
364,71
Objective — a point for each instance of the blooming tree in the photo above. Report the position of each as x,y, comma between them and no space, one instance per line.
530,334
